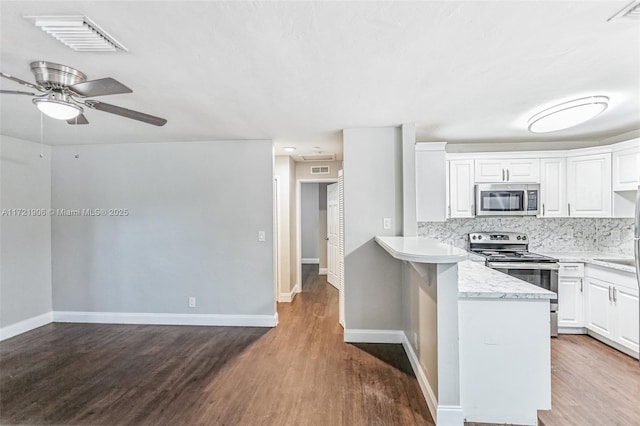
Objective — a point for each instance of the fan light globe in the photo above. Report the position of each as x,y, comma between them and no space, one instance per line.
58,109
568,114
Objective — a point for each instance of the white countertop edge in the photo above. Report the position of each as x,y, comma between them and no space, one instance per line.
421,250
589,257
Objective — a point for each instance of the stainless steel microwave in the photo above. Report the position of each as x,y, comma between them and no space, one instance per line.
503,199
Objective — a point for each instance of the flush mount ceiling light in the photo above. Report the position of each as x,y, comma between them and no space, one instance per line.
60,109
289,148
567,114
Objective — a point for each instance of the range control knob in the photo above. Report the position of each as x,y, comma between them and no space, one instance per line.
479,237
524,237
519,237
474,237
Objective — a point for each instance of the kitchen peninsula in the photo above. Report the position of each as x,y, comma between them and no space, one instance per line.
468,328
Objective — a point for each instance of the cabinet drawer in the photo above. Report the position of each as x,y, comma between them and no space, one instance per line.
571,270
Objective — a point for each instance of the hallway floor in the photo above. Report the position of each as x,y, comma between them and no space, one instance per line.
299,373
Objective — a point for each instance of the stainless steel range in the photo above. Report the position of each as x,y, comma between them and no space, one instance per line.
508,252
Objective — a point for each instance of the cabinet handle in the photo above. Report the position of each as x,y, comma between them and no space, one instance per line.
507,175
542,209
615,295
569,208
503,175
449,208
610,294
580,286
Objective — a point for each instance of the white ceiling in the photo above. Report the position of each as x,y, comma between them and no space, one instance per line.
299,72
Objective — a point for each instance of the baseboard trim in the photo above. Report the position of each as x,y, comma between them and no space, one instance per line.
166,319
288,297
323,271
25,325
372,336
429,396
310,261
572,330
613,344
450,415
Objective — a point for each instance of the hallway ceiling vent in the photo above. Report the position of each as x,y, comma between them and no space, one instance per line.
78,33
320,170
630,11
317,156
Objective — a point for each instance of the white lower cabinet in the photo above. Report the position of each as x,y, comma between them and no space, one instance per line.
612,307
570,297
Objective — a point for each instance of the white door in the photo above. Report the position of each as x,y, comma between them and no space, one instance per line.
333,224
461,195
599,315
589,185
553,187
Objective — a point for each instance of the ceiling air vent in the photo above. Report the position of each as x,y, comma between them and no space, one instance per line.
77,32
630,11
316,156
320,170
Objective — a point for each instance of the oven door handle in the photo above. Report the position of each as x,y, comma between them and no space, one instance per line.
533,266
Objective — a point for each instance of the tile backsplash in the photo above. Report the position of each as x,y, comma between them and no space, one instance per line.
562,234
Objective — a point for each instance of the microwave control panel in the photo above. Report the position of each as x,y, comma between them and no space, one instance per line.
532,200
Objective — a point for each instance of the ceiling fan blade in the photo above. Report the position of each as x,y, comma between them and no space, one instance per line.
124,112
81,119
16,92
19,81
101,87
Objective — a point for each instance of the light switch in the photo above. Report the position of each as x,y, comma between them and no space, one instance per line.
261,236
386,223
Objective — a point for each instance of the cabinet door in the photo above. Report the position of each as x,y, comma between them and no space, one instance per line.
627,319
490,171
626,170
553,187
526,170
589,185
461,195
599,313
570,302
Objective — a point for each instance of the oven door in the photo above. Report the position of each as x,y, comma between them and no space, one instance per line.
543,275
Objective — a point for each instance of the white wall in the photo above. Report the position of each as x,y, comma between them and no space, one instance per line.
195,209
25,241
372,191
310,222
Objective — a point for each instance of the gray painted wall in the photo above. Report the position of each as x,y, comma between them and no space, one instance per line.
372,191
195,209
25,241
310,220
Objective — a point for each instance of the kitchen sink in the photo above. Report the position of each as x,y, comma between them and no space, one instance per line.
625,262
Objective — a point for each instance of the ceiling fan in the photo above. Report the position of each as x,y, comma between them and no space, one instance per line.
63,92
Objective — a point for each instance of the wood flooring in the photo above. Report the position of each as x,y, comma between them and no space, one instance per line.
299,373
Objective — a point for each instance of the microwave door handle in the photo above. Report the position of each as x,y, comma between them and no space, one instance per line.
525,194
514,265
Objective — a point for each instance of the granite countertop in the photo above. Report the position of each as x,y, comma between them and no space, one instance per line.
421,250
589,257
477,281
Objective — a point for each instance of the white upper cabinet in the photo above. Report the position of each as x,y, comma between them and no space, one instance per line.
431,183
553,187
461,196
626,169
589,185
517,170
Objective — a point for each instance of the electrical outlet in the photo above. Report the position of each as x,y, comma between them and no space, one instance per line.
262,236
386,223
192,302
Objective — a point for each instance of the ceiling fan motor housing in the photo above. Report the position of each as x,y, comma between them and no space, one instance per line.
56,76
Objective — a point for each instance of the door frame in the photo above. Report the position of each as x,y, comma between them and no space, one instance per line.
299,182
